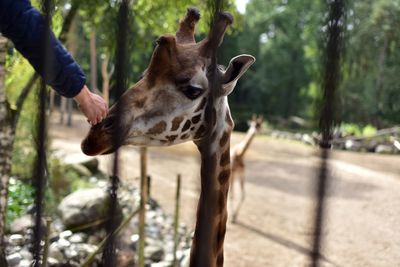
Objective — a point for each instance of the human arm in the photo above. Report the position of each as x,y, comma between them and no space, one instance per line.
24,26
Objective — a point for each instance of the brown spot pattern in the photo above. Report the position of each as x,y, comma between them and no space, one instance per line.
158,128
224,139
185,136
196,119
211,167
223,176
199,133
208,114
139,103
176,122
221,201
220,259
186,126
220,237
171,138
225,158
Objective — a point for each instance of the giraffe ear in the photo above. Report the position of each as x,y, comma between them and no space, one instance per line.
237,67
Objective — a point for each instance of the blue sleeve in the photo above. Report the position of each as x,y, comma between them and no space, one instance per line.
24,26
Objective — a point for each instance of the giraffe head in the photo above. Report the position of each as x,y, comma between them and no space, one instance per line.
256,122
167,105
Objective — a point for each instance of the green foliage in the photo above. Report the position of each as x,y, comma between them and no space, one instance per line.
357,130
351,129
368,130
19,198
370,89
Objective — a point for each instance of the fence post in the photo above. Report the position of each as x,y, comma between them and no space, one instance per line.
176,218
143,201
46,242
148,187
328,117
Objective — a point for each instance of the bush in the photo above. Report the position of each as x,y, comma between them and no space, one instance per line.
357,130
19,198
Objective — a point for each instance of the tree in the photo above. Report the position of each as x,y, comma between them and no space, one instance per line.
370,86
6,144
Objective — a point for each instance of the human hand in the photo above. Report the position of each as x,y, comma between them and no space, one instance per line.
92,106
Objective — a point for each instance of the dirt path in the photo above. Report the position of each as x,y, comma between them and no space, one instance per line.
274,226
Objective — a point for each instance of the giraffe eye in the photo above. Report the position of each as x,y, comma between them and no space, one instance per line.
192,92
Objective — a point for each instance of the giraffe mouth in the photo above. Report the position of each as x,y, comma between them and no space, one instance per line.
101,141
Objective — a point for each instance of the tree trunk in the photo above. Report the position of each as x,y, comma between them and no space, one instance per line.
69,110
106,79
379,82
7,134
93,61
72,47
63,109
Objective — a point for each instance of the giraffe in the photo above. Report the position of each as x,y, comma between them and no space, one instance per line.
171,104
238,166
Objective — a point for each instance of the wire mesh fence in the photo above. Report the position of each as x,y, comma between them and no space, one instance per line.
335,22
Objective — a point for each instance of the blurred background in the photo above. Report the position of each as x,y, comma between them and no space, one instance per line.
274,225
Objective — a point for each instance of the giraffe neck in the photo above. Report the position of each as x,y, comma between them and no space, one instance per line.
244,145
207,247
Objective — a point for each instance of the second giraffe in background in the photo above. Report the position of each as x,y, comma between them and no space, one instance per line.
238,166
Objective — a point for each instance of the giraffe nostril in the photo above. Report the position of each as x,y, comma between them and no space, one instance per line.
107,125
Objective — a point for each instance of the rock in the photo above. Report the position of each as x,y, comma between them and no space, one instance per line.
84,206
66,234
80,169
134,241
307,139
384,149
88,249
185,258
154,252
26,255
92,164
14,259
352,145
55,252
396,145
63,243
25,263
20,225
16,240
71,253
78,238
126,258
161,264
52,262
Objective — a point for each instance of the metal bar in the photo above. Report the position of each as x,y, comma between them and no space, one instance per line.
46,242
39,177
335,24
176,218
143,201
204,231
108,257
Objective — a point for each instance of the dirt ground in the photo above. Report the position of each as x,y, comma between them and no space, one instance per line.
274,227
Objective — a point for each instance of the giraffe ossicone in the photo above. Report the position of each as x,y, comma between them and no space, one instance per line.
169,105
